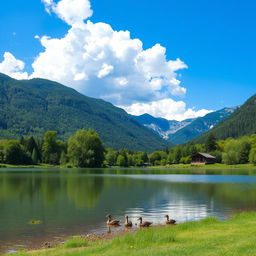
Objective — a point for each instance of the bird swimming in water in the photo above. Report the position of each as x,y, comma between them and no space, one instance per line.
112,222
127,222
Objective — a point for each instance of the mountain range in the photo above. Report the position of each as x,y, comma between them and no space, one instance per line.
32,107
200,126
161,126
181,132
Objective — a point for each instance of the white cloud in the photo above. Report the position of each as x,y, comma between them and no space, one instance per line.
106,70
73,12
115,67
166,108
103,63
13,67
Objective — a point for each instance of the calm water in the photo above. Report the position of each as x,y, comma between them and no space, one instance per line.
76,201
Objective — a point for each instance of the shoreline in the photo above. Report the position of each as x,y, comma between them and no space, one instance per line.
234,236
165,167
56,242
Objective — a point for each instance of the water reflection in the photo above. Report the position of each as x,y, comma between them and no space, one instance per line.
77,201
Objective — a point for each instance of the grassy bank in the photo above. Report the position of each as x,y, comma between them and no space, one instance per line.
209,166
173,166
28,166
234,237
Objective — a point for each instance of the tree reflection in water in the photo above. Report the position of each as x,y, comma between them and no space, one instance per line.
73,200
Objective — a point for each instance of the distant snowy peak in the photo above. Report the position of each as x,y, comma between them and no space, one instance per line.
162,126
179,132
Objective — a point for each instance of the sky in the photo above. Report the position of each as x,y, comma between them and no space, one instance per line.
175,59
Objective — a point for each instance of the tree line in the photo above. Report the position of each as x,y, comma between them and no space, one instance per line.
229,151
85,149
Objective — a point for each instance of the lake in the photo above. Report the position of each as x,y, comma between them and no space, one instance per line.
76,201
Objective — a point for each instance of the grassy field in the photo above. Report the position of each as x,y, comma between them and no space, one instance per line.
233,237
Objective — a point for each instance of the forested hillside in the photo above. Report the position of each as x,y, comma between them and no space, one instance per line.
242,122
32,107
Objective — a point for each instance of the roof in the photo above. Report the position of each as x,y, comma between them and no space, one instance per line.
206,155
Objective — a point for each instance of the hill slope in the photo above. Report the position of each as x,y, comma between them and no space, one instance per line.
242,122
200,126
31,107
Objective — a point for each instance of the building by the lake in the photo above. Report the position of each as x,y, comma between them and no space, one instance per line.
203,158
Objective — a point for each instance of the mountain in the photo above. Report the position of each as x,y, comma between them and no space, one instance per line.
200,125
241,122
179,132
161,126
31,107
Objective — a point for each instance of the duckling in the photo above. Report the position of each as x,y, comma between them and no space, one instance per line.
168,221
145,223
112,222
127,222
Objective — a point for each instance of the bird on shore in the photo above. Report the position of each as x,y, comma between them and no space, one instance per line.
145,223
112,222
127,222
169,221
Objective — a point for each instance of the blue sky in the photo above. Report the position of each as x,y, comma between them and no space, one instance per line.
215,39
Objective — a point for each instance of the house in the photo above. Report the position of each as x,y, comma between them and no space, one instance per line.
203,158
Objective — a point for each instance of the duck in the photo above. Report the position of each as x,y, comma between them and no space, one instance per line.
169,221
127,222
145,223
112,222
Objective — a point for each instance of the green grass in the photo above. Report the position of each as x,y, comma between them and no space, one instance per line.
75,242
209,166
173,166
2,165
209,237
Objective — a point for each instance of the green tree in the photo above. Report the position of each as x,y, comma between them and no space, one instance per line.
63,158
140,158
15,153
185,160
211,143
177,154
252,156
85,149
49,146
236,151
30,146
2,155
110,157
156,157
120,161
144,157
35,156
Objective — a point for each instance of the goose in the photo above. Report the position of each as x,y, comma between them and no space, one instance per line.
145,223
169,221
127,222
112,222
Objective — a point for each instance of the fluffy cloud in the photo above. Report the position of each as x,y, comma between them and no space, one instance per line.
73,12
13,67
166,108
103,63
